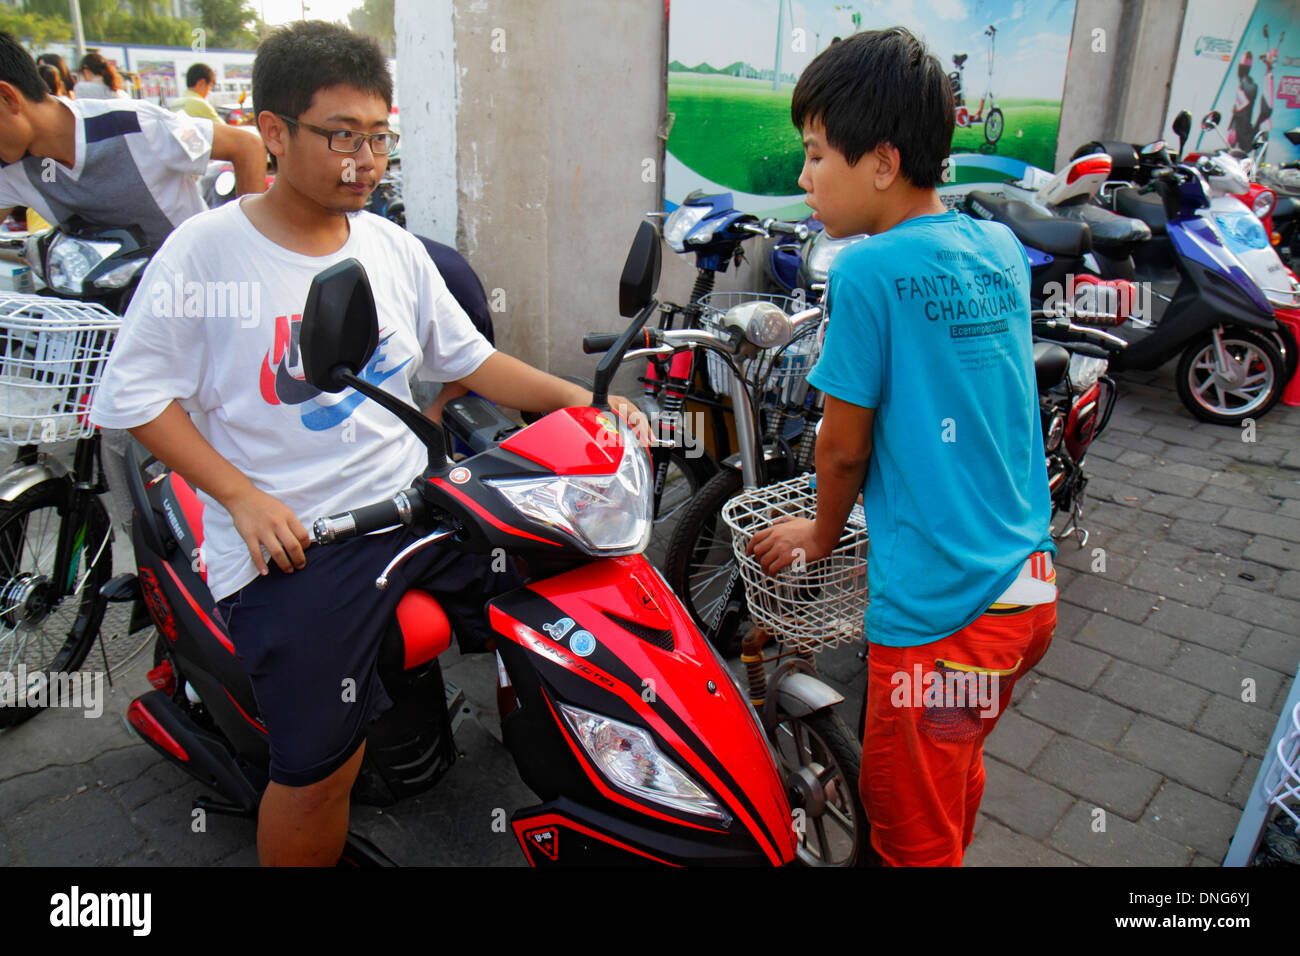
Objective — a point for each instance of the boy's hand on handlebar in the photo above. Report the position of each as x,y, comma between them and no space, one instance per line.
787,541
266,522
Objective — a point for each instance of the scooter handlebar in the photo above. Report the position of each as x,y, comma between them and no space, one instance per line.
403,508
597,342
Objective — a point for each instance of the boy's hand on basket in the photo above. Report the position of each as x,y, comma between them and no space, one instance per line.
788,541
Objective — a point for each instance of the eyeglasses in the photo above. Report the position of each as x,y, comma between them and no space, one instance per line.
349,140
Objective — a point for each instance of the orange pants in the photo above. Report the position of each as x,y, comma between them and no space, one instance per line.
929,708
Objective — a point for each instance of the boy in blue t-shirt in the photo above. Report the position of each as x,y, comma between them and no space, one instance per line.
932,414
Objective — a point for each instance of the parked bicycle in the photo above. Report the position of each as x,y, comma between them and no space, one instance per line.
55,533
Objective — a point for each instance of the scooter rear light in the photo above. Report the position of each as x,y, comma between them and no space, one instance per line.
145,722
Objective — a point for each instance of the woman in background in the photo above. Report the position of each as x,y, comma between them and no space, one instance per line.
99,79
65,75
53,82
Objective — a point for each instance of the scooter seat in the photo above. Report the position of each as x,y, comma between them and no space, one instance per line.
1050,363
426,632
1145,206
1047,233
1108,228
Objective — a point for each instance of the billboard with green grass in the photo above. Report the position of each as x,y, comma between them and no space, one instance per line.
733,65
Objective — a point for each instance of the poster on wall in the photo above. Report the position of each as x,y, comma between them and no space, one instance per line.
733,65
157,79
1242,58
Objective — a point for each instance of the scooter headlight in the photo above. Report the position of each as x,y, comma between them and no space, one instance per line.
606,515
70,260
680,222
1264,203
119,276
629,759
822,252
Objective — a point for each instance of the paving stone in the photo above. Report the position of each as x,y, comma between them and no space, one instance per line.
1119,639
1180,507
1076,712
1145,690
1279,614
1191,819
156,780
89,829
1134,459
1072,663
1187,437
1290,508
1284,487
1239,792
1022,802
245,856
1109,563
1174,584
1272,649
1230,569
1110,597
1274,525
169,820
1258,451
1070,619
1098,776
1288,586
1208,537
1224,674
1017,740
996,845
1199,626
1246,727
1102,490
124,763
1101,468
1274,551
50,783
1237,498
1193,760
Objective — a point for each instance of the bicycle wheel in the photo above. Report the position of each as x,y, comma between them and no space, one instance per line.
700,562
683,479
45,627
821,763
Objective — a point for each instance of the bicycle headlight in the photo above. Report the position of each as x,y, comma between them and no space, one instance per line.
1264,203
606,515
629,759
680,222
119,276
70,260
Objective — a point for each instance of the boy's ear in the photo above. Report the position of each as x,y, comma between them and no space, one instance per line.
888,162
11,101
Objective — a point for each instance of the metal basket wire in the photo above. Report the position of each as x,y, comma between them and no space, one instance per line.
819,605
52,355
780,374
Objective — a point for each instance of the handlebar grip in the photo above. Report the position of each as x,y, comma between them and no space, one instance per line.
603,341
598,342
402,508
784,228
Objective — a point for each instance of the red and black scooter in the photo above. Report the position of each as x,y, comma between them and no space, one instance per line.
683,775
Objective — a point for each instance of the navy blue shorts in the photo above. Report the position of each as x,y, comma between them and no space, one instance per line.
310,640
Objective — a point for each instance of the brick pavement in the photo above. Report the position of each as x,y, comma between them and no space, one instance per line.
1188,590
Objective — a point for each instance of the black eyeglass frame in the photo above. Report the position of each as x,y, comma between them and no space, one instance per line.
388,135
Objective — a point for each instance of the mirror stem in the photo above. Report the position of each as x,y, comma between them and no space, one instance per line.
426,429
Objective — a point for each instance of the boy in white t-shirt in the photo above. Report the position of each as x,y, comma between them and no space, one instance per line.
269,453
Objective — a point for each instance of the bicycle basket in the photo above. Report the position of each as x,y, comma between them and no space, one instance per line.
780,373
816,606
52,355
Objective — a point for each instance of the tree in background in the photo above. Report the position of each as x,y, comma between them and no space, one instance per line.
375,18
231,24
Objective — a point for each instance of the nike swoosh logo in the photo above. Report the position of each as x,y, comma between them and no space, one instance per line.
290,390
324,417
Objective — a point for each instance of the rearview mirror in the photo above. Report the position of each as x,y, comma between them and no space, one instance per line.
640,279
1211,120
340,329
1182,124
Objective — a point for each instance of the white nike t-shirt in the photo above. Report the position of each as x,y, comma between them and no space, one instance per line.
214,325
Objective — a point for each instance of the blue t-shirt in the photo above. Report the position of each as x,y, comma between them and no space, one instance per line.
929,325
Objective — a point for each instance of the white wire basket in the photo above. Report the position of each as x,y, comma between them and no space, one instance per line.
52,355
783,371
1285,790
817,605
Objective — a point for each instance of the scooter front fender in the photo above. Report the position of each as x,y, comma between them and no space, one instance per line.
25,477
802,694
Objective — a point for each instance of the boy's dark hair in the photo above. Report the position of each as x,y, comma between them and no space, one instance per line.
297,60
199,71
881,86
18,68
